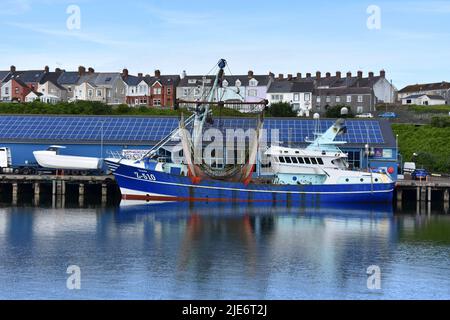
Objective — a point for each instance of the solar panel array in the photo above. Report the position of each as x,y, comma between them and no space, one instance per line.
142,129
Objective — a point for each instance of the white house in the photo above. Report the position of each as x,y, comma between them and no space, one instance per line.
298,94
6,91
32,96
423,99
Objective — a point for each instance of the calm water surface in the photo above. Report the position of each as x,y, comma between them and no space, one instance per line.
217,252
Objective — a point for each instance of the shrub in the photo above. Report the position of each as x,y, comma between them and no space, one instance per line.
335,112
440,122
280,109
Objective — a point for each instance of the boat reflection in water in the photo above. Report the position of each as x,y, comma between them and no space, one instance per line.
272,243
211,251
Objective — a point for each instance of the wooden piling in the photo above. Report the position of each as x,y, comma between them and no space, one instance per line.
37,193
104,193
15,191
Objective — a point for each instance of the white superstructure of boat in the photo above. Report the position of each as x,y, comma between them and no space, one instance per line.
51,158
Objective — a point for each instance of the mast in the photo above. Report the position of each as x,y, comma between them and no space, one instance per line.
202,113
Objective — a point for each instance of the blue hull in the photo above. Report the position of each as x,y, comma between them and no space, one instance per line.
149,185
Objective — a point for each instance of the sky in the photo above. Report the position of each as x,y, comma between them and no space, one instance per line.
409,39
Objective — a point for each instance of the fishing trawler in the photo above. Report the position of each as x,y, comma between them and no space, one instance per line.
316,174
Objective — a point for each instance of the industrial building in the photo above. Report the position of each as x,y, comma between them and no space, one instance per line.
370,143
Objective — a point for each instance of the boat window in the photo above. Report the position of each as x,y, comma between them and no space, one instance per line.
282,159
294,160
300,160
307,161
319,160
288,159
313,160
297,152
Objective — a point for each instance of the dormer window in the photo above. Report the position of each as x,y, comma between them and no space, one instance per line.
253,83
238,83
192,81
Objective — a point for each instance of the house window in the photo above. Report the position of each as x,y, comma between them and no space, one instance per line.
296,96
196,91
169,91
17,90
6,90
185,92
360,98
252,93
277,97
408,101
192,81
253,83
359,109
338,99
156,90
349,99
99,93
238,83
141,89
318,99
328,99
136,101
307,96
157,102
69,89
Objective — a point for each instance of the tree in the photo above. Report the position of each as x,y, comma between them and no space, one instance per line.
335,112
280,109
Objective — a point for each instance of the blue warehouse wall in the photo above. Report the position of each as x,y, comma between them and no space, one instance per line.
22,153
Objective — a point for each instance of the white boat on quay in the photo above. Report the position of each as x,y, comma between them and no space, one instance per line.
52,159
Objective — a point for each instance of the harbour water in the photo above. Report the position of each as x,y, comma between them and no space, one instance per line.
206,251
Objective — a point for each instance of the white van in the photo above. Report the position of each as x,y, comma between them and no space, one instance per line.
409,167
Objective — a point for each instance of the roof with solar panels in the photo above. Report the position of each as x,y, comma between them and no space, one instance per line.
149,130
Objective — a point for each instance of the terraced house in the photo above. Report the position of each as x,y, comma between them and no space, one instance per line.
248,88
16,85
103,87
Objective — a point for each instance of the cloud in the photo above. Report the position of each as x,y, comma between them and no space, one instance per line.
174,17
423,7
75,34
15,7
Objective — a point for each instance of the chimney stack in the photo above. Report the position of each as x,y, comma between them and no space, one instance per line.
140,75
289,77
349,74
338,74
91,70
81,70
58,70
46,69
125,73
271,74
183,74
308,75
13,69
157,73
370,75
360,74
299,75
382,73
250,74
280,76
328,75
318,75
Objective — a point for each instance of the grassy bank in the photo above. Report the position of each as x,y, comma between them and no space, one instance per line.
430,143
98,108
430,109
